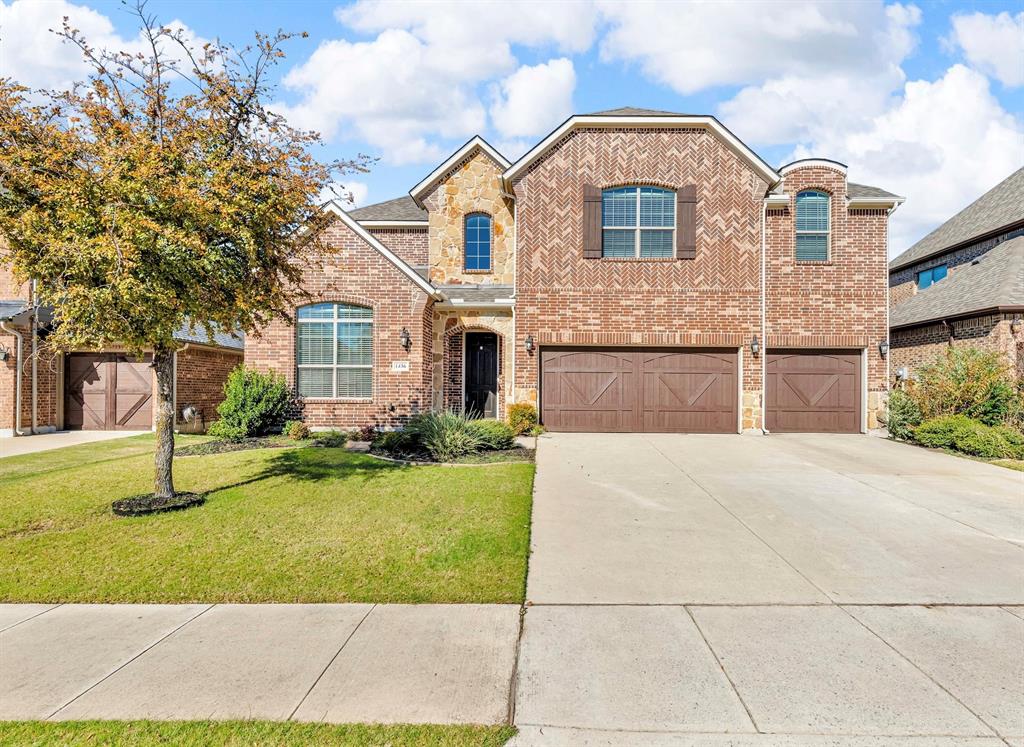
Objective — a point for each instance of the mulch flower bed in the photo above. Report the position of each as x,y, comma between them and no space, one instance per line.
141,505
481,457
223,447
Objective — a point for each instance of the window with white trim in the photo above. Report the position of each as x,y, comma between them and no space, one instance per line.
334,351
812,226
638,222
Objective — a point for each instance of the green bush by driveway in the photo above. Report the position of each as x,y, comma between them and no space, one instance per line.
279,525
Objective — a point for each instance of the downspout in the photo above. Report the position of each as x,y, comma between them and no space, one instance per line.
35,359
515,290
174,388
764,319
17,377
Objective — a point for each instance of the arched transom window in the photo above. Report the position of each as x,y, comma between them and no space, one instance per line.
638,222
812,226
334,351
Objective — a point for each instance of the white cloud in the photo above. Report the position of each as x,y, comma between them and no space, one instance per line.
349,194
36,57
534,98
694,46
419,79
943,144
993,44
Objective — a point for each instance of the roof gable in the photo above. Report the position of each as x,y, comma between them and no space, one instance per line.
400,210
1000,207
406,269
617,118
473,145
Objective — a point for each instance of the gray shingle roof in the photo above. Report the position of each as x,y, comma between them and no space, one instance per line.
855,191
476,293
10,309
189,333
632,111
1003,205
400,208
995,279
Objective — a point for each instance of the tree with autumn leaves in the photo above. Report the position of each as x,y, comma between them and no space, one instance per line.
160,192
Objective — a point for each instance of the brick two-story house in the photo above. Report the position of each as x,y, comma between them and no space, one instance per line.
963,283
634,271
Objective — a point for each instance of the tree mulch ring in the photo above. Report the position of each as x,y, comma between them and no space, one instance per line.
141,505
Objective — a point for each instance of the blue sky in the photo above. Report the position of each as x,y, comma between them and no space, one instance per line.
924,99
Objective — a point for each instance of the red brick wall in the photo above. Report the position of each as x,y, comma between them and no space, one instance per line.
201,376
837,303
48,371
357,273
564,298
408,243
916,345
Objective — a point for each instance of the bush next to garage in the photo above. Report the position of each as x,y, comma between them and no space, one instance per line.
254,404
970,436
448,436
522,416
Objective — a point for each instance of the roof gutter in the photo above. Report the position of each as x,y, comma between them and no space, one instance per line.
1005,309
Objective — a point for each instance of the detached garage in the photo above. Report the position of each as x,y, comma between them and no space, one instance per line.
639,390
813,391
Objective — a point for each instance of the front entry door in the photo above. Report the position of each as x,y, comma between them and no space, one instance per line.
482,374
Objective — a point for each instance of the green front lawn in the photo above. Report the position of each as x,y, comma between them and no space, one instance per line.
245,733
279,525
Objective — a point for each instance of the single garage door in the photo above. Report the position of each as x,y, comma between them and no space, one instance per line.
639,390
814,391
107,392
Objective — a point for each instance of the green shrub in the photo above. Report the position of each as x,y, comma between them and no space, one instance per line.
445,435
522,416
330,439
967,381
903,415
493,434
224,431
973,437
296,430
396,442
254,403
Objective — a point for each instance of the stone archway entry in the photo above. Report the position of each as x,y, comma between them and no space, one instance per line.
481,380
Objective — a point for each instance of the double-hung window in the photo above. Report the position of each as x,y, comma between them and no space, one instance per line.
812,226
931,276
638,222
334,351
478,242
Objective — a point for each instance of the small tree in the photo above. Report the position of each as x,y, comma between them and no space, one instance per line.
159,192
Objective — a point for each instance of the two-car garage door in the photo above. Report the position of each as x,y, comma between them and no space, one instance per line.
639,390
695,391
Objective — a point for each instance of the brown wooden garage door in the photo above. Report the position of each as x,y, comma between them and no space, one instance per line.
633,389
813,391
105,392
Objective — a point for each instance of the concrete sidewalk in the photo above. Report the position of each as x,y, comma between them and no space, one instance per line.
319,662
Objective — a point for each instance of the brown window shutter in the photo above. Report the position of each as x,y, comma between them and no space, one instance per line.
591,222
686,222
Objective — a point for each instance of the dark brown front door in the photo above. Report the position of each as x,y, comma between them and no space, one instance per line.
813,391
482,374
107,392
639,390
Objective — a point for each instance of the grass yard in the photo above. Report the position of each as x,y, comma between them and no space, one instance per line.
245,733
279,525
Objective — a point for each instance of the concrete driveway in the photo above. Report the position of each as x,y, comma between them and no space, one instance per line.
794,589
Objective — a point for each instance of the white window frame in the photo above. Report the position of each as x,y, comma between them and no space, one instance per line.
637,228
827,232
335,366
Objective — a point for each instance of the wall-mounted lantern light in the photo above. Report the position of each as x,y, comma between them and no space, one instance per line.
1016,324
405,339
883,348
529,344
5,353
755,346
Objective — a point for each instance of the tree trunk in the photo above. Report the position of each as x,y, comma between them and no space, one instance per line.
163,360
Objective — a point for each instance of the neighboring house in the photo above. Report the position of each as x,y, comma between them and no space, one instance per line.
634,271
963,284
90,390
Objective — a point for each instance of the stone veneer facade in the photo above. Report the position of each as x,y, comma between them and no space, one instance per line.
473,186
